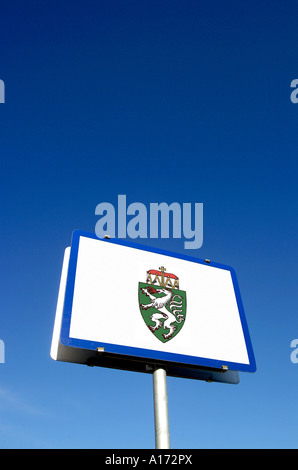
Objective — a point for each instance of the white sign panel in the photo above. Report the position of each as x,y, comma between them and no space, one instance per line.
148,306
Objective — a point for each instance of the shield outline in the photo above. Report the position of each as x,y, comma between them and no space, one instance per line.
147,313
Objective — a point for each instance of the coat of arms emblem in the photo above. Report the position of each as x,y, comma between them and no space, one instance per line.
162,304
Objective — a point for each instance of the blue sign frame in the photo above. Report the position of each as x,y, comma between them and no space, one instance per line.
139,353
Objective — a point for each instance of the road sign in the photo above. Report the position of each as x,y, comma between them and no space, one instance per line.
131,307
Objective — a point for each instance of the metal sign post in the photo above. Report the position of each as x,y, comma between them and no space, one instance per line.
161,414
121,304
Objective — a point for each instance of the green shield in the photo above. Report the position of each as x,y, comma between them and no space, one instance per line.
163,310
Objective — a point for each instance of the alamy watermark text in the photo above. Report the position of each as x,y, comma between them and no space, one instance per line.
2,92
294,353
2,352
132,221
294,94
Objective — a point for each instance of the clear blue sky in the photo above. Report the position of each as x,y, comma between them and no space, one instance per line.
161,101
